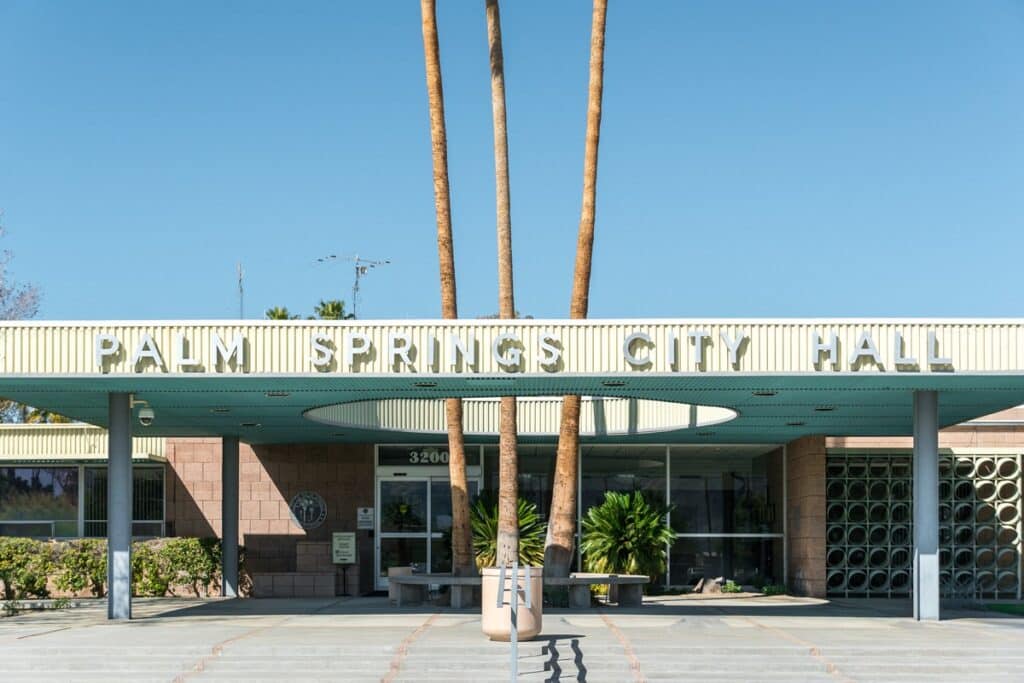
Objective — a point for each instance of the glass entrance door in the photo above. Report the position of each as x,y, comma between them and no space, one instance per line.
402,525
414,520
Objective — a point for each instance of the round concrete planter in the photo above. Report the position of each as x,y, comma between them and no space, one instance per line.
496,621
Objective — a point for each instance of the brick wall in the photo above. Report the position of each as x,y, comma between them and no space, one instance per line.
992,431
805,508
269,476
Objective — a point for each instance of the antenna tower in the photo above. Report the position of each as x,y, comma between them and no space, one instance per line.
362,267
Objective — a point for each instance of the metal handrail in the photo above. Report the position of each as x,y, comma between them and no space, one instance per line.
514,607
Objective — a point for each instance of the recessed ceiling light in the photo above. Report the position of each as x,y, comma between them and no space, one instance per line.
824,409
764,392
277,394
220,411
614,382
795,424
424,384
251,424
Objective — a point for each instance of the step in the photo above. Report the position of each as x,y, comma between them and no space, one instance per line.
111,664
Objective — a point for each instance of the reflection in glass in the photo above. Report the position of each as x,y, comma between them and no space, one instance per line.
441,504
623,469
145,529
148,494
536,474
750,561
147,501
403,506
441,555
28,529
402,552
39,494
726,492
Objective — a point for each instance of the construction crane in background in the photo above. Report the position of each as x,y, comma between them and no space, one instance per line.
362,267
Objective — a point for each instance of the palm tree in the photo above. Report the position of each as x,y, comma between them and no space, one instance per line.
462,541
280,313
508,474
333,309
562,524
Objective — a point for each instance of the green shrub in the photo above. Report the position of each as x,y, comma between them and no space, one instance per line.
158,566
195,562
625,534
774,589
484,523
25,566
732,587
81,565
151,574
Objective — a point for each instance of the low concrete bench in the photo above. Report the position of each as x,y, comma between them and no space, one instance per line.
630,587
414,588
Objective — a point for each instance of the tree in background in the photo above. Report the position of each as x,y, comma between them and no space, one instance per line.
508,465
332,309
17,302
280,313
40,416
462,540
562,524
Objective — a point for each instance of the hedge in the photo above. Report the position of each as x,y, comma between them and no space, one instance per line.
160,566
25,565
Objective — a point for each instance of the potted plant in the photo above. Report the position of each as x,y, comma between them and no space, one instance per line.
495,621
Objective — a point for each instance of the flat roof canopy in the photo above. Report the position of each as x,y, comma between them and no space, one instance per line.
743,381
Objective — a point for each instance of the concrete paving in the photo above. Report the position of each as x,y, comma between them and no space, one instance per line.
365,639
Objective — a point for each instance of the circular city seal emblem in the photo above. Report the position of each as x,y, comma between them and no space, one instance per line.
308,509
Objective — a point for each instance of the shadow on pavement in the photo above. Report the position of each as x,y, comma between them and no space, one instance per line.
379,606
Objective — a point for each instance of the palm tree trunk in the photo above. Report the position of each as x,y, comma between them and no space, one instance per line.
462,541
508,468
559,546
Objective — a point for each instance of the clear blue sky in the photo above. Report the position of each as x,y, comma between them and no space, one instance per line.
757,159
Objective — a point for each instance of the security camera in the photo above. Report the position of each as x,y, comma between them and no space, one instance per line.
146,416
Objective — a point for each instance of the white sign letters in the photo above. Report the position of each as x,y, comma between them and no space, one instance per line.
678,350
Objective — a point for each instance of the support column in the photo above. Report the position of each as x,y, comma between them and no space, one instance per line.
119,508
926,505
229,516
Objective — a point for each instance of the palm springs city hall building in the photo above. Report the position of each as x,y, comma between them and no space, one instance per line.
877,458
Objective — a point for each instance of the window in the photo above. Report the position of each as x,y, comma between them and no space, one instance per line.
751,561
728,515
147,501
536,475
731,491
623,469
39,501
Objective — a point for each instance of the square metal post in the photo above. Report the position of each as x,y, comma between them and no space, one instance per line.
229,517
119,508
926,506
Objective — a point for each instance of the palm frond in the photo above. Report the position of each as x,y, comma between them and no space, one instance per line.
626,534
484,523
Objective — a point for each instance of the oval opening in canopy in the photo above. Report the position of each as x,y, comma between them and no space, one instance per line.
537,416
